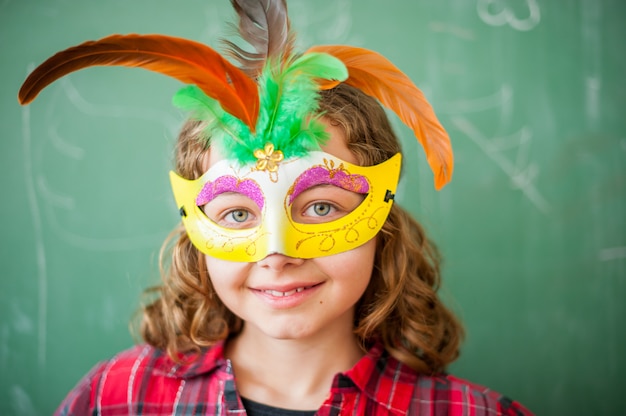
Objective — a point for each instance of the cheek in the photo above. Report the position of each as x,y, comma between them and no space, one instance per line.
354,266
226,275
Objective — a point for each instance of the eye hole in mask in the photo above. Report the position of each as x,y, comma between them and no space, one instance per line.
232,203
322,194
324,203
233,210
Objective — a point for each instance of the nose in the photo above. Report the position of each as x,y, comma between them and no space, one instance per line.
278,262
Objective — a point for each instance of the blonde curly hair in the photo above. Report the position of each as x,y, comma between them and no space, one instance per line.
399,308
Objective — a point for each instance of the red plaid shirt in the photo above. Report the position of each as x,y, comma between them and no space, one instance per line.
144,381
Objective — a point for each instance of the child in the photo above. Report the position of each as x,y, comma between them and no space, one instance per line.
295,285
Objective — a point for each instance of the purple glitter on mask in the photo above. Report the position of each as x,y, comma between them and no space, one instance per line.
228,183
321,175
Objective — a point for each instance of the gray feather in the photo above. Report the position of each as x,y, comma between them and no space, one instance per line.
264,25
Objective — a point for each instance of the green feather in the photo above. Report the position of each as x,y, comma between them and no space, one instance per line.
222,128
319,65
288,101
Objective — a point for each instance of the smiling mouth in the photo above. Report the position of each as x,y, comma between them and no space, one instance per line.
279,294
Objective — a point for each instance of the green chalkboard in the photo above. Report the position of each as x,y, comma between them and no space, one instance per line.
532,227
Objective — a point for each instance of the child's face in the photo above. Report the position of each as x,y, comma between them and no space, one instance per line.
292,298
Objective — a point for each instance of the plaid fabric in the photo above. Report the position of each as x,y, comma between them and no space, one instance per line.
144,381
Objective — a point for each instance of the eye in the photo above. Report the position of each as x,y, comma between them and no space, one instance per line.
238,215
320,209
233,210
324,203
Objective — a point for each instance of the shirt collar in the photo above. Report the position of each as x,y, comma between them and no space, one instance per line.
207,360
383,378
378,375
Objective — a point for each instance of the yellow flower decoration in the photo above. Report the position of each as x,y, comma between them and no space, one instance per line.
268,158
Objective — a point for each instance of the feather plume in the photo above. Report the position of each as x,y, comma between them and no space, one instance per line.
221,125
288,97
185,60
373,74
264,25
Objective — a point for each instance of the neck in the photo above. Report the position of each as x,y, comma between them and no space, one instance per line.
290,373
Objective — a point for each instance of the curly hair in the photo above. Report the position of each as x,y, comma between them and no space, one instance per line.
399,308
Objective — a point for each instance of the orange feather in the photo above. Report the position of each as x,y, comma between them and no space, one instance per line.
185,60
375,75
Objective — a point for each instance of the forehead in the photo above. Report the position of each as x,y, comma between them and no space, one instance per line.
336,145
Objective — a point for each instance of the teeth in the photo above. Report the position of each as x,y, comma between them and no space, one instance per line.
281,294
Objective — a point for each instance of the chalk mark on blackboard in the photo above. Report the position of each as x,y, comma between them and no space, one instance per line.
116,111
64,147
103,244
53,198
521,172
501,98
337,20
40,250
457,31
498,13
4,347
612,253
212,24
592,92
592,48
21,321
21,402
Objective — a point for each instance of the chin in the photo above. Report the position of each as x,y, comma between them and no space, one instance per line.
287,332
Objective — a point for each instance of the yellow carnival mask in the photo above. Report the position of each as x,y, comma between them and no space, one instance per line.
303,208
